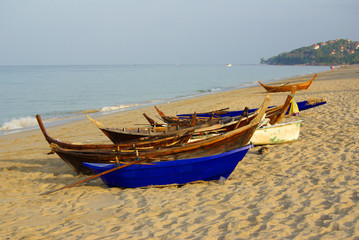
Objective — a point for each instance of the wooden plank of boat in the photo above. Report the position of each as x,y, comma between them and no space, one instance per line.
214,145
182,171
123,135
117,167
278,133
288,87
185,122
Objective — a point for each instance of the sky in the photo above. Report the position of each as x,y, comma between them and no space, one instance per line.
72,32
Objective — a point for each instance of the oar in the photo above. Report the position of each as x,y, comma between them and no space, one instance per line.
95,176
97,123
152,122
285,107
160,112
244,114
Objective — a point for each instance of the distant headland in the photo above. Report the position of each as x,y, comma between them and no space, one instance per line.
334,52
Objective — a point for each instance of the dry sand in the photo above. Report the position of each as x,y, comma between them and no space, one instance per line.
308,189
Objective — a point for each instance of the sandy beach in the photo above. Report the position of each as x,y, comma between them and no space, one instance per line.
308,189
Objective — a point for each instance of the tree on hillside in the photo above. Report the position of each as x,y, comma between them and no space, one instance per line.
335,52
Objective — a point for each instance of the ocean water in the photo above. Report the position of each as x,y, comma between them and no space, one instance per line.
65,93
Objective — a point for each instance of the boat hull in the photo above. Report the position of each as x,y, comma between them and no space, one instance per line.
288,88
303,105
278,133
207,147
172,172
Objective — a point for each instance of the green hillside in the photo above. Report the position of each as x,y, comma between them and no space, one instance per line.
335,52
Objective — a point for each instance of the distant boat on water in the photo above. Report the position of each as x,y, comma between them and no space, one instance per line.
229,65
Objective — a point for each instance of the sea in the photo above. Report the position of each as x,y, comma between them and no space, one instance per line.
62,94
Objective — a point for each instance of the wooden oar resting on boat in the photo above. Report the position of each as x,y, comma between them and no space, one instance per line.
211,146
117,167
288,87
134,174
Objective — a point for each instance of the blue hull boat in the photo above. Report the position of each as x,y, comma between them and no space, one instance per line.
171,172
303,105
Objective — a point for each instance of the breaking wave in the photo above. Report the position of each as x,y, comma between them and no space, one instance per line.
216,89
19,123
117,107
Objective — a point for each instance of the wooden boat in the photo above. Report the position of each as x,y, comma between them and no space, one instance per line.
219,125
278,133
183,171
174,120
124,135
219,116
288,87
180,138
117,135
211,146
139,144
128,135
302,105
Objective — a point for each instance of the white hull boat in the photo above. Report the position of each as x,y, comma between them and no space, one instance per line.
278,133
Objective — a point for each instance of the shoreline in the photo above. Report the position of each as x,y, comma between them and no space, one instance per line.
150,103
300,190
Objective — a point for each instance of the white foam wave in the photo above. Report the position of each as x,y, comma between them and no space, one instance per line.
19,123
117,107
215,89
110,108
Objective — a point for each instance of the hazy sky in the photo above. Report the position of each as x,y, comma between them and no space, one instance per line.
50,32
